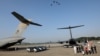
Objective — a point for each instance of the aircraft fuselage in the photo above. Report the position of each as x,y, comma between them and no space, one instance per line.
5,43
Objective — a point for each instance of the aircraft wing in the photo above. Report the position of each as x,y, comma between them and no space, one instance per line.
22,19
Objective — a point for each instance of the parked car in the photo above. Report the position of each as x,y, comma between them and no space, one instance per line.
36,49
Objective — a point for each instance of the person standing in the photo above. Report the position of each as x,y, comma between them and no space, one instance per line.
95,50
75,49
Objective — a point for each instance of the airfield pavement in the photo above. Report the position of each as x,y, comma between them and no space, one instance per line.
52,51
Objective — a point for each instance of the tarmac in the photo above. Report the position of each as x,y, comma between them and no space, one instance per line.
53,50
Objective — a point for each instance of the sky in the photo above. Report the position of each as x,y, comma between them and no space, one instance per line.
68,13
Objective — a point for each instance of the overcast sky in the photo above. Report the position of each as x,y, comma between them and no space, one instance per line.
68,13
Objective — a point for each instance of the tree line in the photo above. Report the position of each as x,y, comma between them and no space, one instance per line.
87,38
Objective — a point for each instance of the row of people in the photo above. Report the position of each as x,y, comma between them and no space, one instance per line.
88,48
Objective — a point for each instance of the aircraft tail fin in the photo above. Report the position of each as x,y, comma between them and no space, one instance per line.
21,28
23,25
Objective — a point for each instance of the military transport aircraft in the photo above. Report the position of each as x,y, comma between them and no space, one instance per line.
71,41
17,37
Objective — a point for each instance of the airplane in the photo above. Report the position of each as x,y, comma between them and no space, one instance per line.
71,41
55,2
17,37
